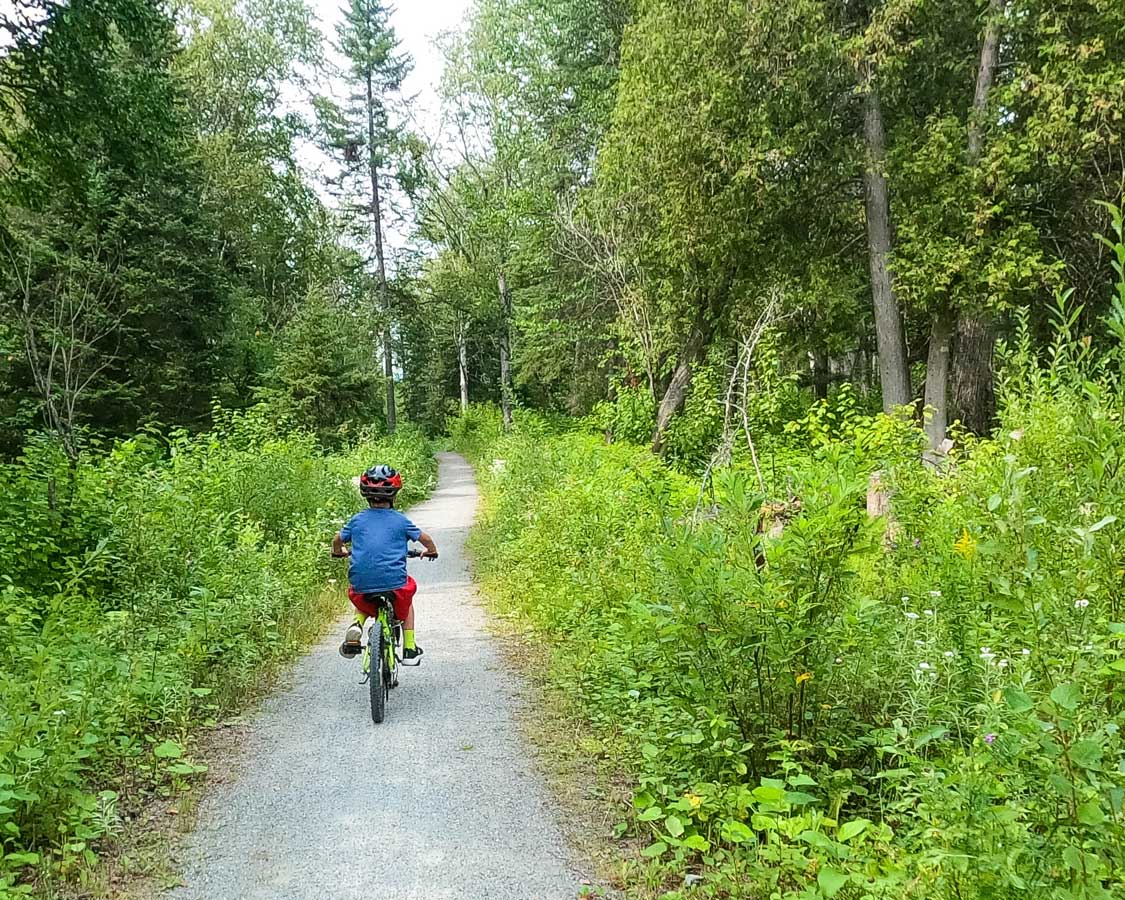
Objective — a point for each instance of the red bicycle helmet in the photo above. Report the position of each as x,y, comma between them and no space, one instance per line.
380,483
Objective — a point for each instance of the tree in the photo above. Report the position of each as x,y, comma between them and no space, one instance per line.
369,140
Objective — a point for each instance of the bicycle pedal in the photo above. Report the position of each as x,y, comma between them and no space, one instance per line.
411,662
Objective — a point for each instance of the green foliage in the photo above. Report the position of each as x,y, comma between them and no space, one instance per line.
843,706
183,570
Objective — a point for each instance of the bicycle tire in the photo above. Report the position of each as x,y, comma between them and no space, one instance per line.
377,679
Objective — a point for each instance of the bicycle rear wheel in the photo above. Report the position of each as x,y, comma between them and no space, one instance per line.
377,677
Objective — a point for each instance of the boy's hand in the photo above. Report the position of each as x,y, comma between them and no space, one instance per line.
342,555
430,555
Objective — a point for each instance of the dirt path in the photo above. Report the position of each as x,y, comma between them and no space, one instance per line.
439,802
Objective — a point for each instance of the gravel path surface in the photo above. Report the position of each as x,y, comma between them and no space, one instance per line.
438,803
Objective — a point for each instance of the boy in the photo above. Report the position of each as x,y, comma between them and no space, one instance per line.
379,536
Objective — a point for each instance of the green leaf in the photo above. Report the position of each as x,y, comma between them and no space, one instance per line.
831,881
1067,696
168,750
674,825
768,794
994,502
651,814
737,832
654,850
850,829
697,842
1090,813
1108,520
1017,700
1087,754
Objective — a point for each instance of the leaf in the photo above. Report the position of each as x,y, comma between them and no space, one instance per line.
1098,526
1087,754
850,829
675,826
1067,696
651,814
1017,700
831,881
738,832
1090,813
768,794
799,798
994,502
654,850
168,750
697,842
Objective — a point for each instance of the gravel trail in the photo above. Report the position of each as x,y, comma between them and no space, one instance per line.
440,802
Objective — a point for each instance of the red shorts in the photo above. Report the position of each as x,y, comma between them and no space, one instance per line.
404,599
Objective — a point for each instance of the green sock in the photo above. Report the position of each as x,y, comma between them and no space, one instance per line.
408,638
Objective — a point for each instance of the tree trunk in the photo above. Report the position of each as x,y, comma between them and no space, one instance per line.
974,393
890,334
383,300
463,365
505,351
818,366
937,377
703,328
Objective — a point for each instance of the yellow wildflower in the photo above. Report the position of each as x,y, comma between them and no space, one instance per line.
966,545
803,677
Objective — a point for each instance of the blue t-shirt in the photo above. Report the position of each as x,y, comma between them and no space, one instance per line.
379,541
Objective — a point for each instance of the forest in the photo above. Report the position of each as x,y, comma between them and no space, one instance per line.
787,338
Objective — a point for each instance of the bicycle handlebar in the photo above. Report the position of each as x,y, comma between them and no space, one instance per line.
410,554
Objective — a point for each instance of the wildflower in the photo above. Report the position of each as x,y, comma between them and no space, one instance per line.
919,643
986,654
935,594
1017,434
694,799
924,666
905,598
928,612
912,616
917,543
839,659
1002,664
989,738
1025,652
1081,604
803,677
949,654
331,580
966,546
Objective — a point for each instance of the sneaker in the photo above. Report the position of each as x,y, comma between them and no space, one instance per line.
353,641
412,657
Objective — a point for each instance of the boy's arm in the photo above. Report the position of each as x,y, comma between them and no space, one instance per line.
428,542
338,548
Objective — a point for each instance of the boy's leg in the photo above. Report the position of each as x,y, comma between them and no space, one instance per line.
404,611
353,637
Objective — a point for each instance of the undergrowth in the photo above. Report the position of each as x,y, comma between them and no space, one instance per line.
833,705
142,593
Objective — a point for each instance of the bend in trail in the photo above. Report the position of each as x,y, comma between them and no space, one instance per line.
439,802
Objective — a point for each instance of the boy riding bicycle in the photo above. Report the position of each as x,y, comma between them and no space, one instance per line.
379,537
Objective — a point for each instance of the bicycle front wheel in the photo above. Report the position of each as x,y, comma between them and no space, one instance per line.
377,678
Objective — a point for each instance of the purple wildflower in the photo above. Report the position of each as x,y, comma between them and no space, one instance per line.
989,738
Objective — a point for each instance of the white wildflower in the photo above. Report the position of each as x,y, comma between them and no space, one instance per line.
949,654
935,594
1003,664
1081,604
928,612
924,666
912,616
1025,652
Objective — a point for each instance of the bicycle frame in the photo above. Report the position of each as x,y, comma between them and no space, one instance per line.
391,629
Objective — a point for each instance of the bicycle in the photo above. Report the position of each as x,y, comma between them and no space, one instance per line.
382,652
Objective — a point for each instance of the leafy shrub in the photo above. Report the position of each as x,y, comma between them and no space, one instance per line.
926,707
151,601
